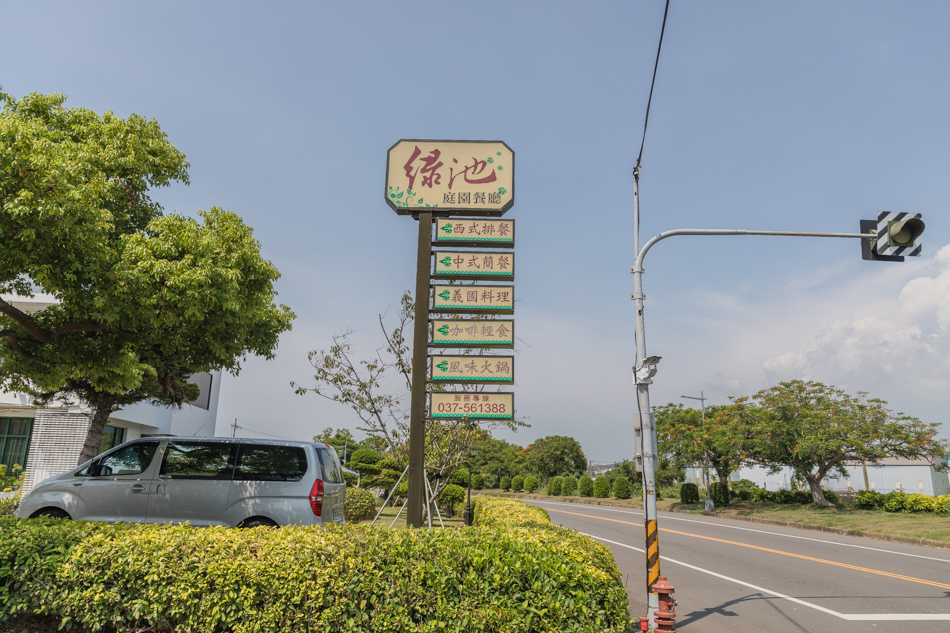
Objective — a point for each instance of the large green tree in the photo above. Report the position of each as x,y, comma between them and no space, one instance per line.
140,300
817,429
556,455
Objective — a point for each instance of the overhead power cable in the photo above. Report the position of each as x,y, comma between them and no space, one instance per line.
656,64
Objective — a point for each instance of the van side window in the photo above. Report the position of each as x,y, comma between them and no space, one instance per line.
198,460
134,459
332,473
263,462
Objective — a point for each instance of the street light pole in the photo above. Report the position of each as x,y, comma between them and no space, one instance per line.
702,403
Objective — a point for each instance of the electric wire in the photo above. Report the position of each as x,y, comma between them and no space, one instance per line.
656,64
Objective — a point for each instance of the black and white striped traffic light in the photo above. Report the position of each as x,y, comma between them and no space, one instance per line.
894,235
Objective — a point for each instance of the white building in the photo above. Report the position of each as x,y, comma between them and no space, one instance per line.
893,473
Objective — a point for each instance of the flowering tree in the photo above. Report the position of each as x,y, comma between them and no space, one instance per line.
684,438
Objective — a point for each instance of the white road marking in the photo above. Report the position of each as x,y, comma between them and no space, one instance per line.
745,529
844,616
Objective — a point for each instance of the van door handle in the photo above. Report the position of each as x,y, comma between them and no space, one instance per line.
77,483
137,488
161,488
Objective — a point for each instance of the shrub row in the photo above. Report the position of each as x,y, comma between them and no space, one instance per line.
515,573
897,501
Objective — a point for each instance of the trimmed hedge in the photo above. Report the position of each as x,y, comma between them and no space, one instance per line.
530,483
517,483
622,488
359,505
516,572
585,486
601,488
689,493
568,485
719,493
554,486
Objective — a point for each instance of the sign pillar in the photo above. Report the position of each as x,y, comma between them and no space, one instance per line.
420,347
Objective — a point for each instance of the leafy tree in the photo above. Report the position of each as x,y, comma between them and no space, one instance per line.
684,442
359,384
141,300
499,457
816,429
556,455
365,461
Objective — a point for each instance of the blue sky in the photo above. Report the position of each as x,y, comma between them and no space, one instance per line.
805,116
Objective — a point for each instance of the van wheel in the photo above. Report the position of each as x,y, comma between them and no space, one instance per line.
256,522
56,513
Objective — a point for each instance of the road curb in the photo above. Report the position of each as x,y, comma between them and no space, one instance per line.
877,536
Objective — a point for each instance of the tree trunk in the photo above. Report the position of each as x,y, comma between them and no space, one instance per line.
104,406
814,483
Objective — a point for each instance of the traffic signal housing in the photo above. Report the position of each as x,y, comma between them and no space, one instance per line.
894,235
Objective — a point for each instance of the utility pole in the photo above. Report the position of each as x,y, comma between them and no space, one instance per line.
702,403
235,427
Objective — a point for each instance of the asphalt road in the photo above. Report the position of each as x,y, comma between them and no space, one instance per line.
745,577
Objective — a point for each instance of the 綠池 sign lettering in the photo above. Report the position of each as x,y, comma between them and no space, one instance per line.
450,177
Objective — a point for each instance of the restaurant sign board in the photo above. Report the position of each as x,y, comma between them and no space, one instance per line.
474,178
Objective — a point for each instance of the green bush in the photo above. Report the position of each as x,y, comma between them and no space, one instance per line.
585,486
719,493
568,485
764,495
601,488
359,505
894,501
517,483
352,578
830,496
451,495
622,488
689,493
459,477
554,486
869,499
942,504
530,483
478,481
744,490
917,503
489,480
505,483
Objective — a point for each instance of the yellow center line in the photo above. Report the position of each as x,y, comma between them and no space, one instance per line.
773,551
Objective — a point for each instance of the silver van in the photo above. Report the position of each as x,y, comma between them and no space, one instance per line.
237,482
